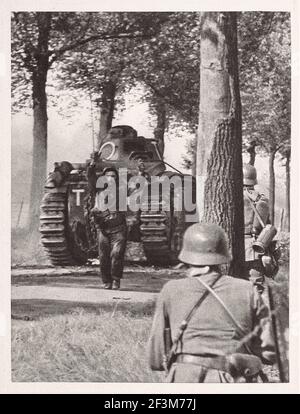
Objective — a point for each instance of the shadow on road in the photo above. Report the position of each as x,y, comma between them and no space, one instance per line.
146,280
136,279
33,309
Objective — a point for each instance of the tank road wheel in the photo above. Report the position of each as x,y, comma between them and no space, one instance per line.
56,236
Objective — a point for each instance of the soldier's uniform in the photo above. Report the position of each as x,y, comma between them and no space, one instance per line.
112,236
210,336
254,262
252,224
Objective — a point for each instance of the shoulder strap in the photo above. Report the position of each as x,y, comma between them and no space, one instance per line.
201,299
229,313
239,328
255,210
255,196
189,316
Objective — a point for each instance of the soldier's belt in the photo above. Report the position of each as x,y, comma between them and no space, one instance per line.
114,222
237,365
218,362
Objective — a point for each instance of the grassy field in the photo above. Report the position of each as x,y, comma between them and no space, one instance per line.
95,347
67,343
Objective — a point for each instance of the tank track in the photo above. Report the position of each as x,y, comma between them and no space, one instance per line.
154,229
53,229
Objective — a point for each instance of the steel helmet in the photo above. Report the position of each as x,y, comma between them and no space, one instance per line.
205,244
250,176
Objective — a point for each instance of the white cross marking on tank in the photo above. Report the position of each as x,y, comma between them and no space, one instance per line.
78,191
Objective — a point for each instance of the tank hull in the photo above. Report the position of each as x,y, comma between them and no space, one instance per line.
67,228
69,235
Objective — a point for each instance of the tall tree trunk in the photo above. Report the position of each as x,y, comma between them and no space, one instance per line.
159,131
107,106
194,162
287,189
272,185
252,152
219,146
40,120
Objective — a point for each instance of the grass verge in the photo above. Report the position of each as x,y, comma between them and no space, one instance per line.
99,346
83,347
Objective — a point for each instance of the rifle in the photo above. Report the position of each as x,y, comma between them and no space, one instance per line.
241,331
282,376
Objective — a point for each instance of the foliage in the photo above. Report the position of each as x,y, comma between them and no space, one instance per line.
264,60
40,40
69,32
284,245
164,59
25,48
168,64
265,78
160,50
89,67
189,155
24,38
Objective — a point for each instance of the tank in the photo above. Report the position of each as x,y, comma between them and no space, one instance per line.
67,227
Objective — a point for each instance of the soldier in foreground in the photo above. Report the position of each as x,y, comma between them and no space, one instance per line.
203,325
256,214
112,235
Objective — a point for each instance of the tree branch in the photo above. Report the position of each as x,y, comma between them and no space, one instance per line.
155,90
103,36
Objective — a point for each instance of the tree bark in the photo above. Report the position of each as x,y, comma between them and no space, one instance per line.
219,146
272,185
194,162
252,152
287,189
107,106
159,131
40,119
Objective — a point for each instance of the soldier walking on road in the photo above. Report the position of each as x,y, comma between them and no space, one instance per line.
218,325
112,234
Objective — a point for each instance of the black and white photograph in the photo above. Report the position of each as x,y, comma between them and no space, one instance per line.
151,168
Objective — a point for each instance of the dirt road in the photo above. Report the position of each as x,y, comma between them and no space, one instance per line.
39,292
